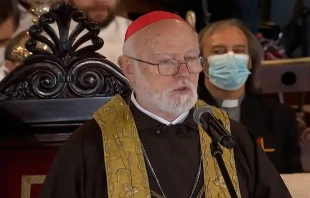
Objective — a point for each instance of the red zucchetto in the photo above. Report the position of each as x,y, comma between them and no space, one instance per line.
148,19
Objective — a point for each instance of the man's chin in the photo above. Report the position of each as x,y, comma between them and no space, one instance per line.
102,20
179,108
182,102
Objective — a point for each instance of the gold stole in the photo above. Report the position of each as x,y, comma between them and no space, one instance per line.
125,167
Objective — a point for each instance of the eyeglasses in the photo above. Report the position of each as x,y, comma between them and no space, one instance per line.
172,66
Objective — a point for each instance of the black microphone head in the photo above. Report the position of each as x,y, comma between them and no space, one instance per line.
201,110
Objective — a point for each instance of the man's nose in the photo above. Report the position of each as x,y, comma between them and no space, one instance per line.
183,70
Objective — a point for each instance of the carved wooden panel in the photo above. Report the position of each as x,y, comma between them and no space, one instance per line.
67,70
57,89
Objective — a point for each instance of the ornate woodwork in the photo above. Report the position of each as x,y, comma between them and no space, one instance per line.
56,90
53,91
66,71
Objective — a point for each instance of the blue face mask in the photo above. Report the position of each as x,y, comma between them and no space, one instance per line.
228,71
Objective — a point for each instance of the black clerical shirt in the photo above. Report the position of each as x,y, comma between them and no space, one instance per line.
78,171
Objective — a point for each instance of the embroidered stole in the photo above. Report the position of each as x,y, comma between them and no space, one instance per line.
125,166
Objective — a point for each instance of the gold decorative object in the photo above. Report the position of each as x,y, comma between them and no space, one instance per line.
19,53
38,8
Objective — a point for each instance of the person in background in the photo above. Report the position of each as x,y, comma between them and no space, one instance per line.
9,21
113,27
26,17
233,55
15,52
145,143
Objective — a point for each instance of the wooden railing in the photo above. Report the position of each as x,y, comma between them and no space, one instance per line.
287,61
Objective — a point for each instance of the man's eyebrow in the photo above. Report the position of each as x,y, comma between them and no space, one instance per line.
239,45
194,50
218,45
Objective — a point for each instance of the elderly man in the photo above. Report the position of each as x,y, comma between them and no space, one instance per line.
146,143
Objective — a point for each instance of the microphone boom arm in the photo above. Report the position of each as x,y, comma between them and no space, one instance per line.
217,152
219,136
216,130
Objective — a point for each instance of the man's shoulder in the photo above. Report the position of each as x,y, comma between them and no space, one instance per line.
272,104
87,134
122,22
246,143
238,130
280,109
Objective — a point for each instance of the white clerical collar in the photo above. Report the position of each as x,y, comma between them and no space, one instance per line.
230,103
178,120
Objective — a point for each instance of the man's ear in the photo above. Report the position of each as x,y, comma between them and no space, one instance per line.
126,65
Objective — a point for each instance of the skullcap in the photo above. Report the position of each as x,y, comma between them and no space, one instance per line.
148,19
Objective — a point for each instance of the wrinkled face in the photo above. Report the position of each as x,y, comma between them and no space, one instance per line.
164,41
223,40
7,29
99,11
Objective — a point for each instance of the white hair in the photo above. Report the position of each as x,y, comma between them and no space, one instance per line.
129,46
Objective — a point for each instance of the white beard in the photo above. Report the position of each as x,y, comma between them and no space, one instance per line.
167,101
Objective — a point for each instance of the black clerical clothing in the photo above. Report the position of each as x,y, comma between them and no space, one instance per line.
272,122
78,171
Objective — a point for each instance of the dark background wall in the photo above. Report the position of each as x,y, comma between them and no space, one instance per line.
281,11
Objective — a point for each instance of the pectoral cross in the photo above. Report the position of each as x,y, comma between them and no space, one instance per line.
262,144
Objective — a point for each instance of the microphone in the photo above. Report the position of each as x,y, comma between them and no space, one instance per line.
204,116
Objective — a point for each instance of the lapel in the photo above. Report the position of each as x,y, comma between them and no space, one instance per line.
255,114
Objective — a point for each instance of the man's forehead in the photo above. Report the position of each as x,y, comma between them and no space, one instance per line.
229,33
185,51
167,43
217,40
162,44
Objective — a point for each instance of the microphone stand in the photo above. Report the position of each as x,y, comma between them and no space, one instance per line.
217,153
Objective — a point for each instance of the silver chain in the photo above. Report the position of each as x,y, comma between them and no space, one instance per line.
157,181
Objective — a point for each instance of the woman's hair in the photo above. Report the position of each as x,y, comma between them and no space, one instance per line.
255,48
